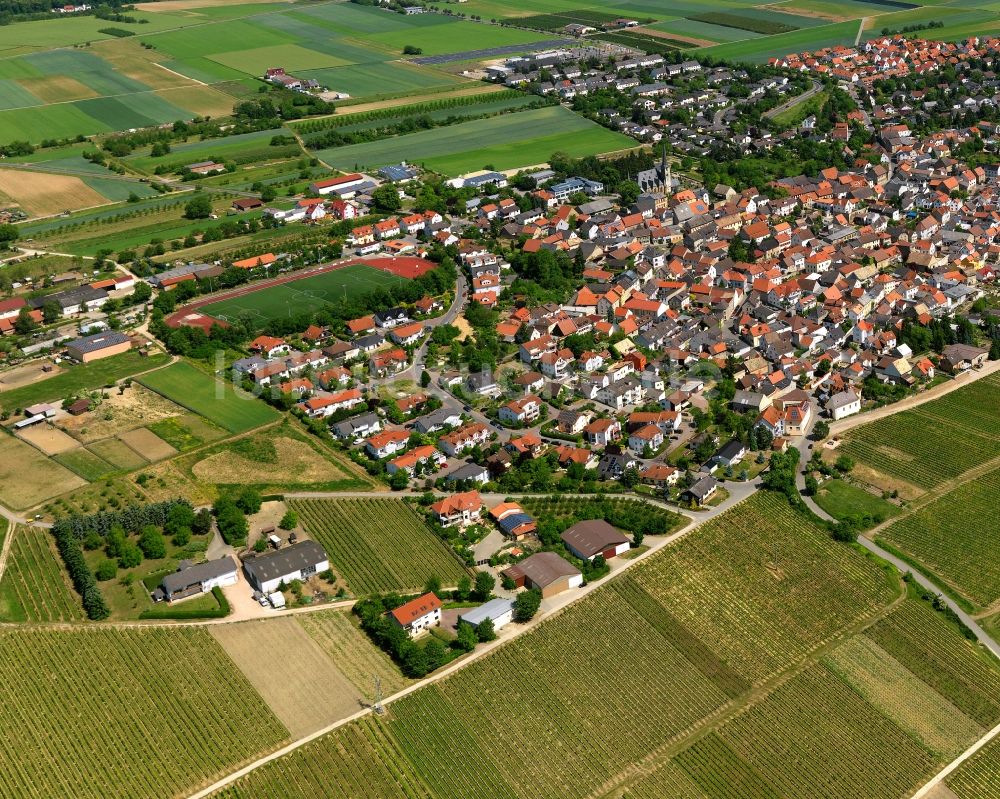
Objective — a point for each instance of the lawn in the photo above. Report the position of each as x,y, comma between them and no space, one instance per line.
217,401
81,378
843,500
521,139
378,545
301,296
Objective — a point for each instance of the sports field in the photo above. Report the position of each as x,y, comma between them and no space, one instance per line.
795,681
508,141
217,401
303,296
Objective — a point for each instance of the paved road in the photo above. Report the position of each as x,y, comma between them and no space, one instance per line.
794,101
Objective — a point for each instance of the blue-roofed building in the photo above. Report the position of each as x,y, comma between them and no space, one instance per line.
399,173
562,191
513,521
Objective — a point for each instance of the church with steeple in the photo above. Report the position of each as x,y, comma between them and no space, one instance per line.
659,178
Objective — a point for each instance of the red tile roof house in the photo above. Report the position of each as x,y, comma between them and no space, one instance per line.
388,442
464,438
318,407
408,461
463,508
269,346
407,334
418,615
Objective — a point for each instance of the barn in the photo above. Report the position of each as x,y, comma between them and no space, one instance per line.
547,572
595,537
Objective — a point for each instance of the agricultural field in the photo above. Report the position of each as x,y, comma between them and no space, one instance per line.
214,399
957,538
916,448
377,545
759,50
81,378
979,776
522,139
27,477
302,296
311,691
281,458
34,586
356,656
148,726
839,726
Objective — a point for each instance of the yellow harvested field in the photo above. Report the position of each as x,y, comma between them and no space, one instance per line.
28,478
148,444
132,59
50,440
296,678
58,88
43,194
475,88
202,100
295,463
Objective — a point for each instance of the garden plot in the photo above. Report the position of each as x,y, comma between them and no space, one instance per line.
27,477
147,444
120,412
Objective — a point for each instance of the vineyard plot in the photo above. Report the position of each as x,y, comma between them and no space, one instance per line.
142,713
957,537
979,776
34,586
378,545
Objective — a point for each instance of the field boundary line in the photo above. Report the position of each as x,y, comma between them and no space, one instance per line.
938,778
7,543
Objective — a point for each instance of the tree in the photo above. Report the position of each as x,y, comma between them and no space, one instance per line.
821,430
8,234
526,605
386,198
434,654
182,537
433,585
425,378
485,583
51,312
202,522
844,464
812,485
399,480
106,570
151,542
464,588
414,660
412,50
141,293
289,521
130,557
249,501
114,541
485,631
24,324
466,638
198,207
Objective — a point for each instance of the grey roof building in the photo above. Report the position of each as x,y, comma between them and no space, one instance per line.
97,341
197,578
295,562
499,611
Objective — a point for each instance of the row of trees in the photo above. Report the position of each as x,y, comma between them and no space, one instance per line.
68,545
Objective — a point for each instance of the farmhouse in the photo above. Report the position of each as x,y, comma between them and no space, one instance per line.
513,521
545,571
596,537
418,615
462,508
97,346
295,562
197,578
843,403
498,611
206,168
701,491
957,358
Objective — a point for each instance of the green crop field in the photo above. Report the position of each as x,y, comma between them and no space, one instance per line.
80,378
919,445
711,620
217,401
843,500
760,49
381,79
34,586
300,296
124,712
957,537
85,463
378,545
505,142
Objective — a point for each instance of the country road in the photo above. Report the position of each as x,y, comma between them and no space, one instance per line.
794,101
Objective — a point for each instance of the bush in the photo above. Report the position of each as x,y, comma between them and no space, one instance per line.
485,631
289,521
130,557
152,544
106,570
526,605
